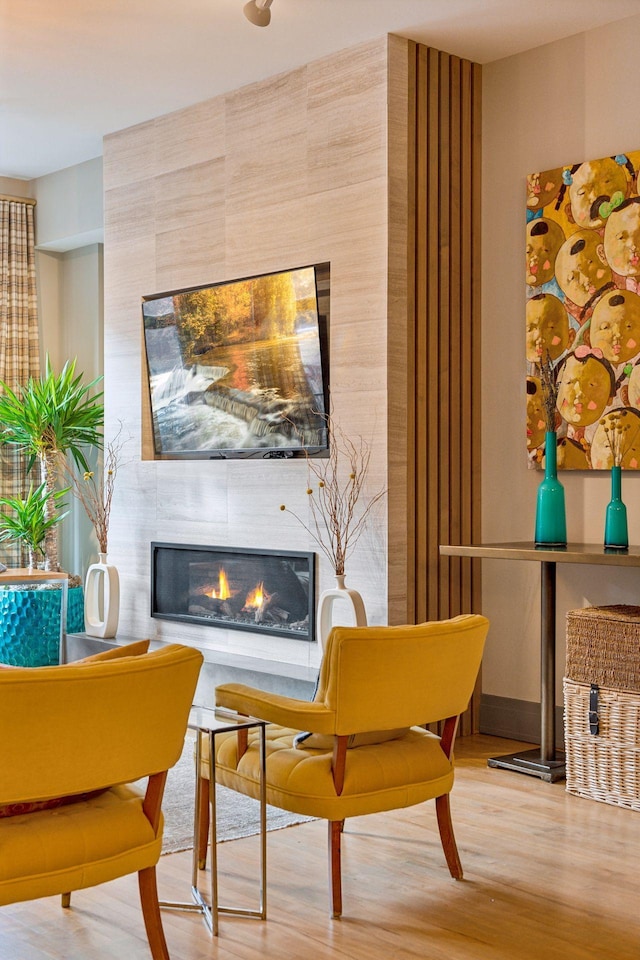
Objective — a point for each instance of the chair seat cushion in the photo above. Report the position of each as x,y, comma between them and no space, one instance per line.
382,776
75,846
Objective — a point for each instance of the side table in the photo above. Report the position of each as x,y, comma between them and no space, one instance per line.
209,721
26,575
545,763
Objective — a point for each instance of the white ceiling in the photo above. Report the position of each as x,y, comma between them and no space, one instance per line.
72,71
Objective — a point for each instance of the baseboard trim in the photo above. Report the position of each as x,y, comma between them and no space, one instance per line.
515,719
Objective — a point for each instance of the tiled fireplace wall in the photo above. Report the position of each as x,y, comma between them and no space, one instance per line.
294,170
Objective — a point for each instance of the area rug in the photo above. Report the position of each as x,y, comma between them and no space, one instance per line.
237,815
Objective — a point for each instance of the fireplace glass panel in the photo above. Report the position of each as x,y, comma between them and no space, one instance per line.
260,591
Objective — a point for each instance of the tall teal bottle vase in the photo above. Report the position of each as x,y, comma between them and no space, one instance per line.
616,533
551,521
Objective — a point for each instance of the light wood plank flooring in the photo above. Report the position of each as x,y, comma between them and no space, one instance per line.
547,876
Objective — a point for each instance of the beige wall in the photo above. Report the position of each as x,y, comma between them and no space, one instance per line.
70,301
16,188
558,104
70,311
70,213
286,172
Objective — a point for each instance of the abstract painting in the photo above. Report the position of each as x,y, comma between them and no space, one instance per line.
583,309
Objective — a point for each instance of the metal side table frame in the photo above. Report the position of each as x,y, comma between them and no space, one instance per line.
211,722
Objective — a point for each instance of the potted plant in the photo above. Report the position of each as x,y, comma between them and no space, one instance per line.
31,519
30,635
53,419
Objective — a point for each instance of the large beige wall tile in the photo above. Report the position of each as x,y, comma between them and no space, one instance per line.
129,156
184,198
203,500
347,117
266,142
191,136
275,237
129,213
206,263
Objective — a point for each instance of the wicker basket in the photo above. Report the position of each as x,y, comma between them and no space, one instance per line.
605,766
603,646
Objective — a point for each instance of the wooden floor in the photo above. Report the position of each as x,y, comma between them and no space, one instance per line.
547,876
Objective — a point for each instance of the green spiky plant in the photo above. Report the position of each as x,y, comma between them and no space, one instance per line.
52,418
30,521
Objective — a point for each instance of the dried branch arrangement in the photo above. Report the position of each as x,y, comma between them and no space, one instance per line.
549,392
96,493
335,488
615,429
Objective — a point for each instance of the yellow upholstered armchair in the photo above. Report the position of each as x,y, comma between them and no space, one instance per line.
368,748
73,739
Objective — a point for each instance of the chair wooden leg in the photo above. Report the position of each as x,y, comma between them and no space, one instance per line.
443,812
203,833
151,913
335,869
66,900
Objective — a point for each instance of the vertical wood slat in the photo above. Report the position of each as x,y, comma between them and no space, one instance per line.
427,575
444,329
415,256
457,278
466,320
446,362
470,721
476,191
476,365
420,345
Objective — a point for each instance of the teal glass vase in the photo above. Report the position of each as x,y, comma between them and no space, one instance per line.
616,533
551,520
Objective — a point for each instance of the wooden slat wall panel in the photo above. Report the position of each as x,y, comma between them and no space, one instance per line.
447,334
427,581
416,121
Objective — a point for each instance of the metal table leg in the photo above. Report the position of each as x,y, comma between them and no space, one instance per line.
211,911
216,909
64,606
546,762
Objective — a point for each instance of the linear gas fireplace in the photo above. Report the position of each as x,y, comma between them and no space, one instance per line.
262,591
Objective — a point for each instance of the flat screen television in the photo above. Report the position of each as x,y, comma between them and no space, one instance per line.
239,369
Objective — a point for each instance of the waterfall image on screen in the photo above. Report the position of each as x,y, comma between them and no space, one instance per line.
237,368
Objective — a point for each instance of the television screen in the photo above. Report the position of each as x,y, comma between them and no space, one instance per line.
238,369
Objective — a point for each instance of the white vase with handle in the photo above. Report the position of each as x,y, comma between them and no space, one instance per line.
101,599
347,599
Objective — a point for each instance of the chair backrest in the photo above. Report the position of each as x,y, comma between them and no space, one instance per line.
381,678
79,727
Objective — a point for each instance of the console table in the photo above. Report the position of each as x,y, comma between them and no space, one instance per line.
545,763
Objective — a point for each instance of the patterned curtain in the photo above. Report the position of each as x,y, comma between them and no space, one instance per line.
19,351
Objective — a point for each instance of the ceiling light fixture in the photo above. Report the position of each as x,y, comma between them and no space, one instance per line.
258,12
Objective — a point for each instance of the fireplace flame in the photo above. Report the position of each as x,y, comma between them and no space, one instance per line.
255,598
223,592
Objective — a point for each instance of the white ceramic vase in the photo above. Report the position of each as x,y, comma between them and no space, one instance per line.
101,599
348,600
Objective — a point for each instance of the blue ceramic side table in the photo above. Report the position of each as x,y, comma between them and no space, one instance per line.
19,618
